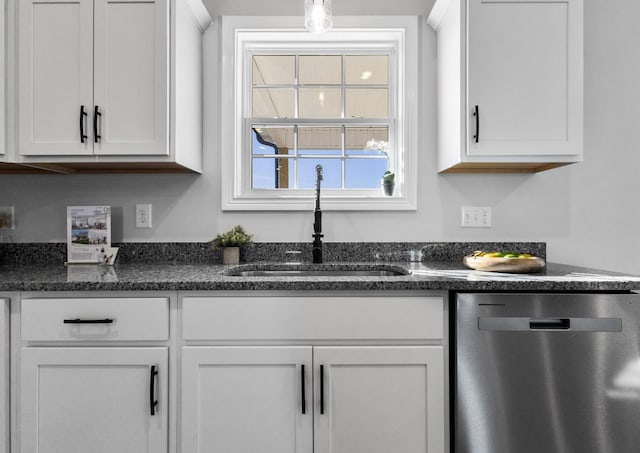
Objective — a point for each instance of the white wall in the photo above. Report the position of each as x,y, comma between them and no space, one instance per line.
587,213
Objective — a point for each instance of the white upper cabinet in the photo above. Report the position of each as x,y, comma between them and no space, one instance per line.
509,84
131,77
56,77
2,82
98,86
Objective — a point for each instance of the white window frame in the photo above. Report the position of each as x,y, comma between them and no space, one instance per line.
242,35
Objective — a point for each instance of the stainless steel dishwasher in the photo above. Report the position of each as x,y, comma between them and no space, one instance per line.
546,373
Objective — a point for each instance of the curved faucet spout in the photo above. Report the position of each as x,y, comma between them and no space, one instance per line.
317,220
318,179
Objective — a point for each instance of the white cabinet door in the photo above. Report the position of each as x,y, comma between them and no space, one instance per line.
379,399
4,376
2,84
94,77
55,77
524,77
98,400
131,77
246,400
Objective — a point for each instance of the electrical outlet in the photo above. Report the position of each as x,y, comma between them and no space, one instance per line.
7,218
143,215
476,217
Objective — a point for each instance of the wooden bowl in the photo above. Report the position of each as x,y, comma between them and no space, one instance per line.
499,264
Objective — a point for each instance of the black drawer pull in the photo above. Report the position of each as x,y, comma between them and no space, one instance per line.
88,321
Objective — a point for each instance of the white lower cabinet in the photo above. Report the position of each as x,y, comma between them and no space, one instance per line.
335,382
98,400
379,399
92,375
220,373
363,399
247,399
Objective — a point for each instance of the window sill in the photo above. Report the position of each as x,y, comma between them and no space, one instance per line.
327,203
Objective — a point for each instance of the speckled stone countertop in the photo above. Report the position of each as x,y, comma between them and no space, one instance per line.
164,268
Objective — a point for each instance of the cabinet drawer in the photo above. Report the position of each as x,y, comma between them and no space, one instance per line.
100,319
313,318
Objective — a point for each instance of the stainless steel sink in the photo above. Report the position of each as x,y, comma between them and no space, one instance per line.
356,270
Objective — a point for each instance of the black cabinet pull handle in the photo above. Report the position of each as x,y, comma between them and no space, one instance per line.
321,389
83,115
88,321
476,113
153,402
302,390
96,114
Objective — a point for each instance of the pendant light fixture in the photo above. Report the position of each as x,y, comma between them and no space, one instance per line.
317,15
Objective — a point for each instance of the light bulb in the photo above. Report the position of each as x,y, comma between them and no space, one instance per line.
317,14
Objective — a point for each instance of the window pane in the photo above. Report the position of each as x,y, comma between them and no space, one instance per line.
320,152
367,141
319,103
271,173
320,140
364,173
320,69
331,173
274,69
272,140
366,103
273,103
366,69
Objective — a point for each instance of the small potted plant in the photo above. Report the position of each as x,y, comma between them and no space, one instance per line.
388,182
230,243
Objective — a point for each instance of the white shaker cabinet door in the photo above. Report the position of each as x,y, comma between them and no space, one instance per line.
524,77
4,376
2,81
246,400
98,400
379,399
131,77
55,77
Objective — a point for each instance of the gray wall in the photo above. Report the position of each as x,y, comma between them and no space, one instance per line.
587,213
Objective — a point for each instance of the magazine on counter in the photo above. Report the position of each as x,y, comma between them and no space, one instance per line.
89,235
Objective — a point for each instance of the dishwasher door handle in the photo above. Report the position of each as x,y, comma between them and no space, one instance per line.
549,323
575,324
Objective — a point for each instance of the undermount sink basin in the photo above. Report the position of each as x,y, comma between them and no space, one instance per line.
317,270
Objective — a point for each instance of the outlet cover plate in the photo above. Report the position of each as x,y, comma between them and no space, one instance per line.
143,215
476,217
7,217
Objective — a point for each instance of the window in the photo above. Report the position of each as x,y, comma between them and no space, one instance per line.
339,100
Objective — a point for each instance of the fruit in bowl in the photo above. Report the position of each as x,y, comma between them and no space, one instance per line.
495,261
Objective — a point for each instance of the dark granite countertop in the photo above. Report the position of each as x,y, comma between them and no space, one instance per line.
432,275
195,267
